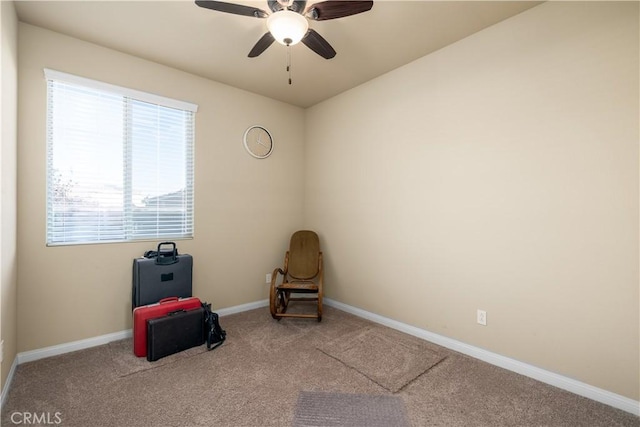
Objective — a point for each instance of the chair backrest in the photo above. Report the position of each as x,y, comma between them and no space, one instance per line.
304,255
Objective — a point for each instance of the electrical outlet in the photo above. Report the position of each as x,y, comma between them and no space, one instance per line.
268,278
482,317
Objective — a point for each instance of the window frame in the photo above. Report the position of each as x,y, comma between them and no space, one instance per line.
129,95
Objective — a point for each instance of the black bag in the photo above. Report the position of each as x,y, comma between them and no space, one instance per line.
214,335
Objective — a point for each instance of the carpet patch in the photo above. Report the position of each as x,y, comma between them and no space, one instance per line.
349,410
126,363
267,336
388,357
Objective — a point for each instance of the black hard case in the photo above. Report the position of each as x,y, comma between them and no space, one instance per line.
161,277
174,332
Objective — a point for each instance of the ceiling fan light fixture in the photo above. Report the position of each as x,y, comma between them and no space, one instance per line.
287,27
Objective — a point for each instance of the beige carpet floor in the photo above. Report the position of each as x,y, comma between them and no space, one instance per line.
257,377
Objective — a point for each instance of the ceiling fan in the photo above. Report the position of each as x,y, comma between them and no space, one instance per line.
288,21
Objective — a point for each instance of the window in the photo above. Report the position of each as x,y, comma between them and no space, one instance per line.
119,163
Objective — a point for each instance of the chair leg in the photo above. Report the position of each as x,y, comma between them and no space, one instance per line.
280,305
286,296
274,302
278,302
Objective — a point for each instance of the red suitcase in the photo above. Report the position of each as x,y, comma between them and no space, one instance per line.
151,311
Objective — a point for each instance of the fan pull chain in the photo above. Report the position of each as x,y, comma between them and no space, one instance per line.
289,62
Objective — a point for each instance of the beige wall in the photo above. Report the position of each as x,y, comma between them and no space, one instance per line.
499,173
8,204
245,208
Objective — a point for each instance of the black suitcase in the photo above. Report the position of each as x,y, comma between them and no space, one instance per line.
174,332
160,275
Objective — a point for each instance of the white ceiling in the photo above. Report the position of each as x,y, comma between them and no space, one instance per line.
215,45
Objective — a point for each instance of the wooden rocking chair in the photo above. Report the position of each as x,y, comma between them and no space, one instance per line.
302,274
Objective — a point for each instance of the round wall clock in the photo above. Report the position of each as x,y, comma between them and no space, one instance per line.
258,142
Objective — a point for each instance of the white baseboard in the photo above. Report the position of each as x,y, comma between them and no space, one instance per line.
243,307
55,350
7,383
551,378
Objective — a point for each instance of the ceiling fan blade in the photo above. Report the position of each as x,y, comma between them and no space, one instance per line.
318,44
262,45
298,6
332,9
236,9
274,5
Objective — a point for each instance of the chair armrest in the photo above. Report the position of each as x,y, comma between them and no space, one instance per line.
274,276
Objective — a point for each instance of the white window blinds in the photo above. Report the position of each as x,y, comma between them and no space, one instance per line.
119,163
